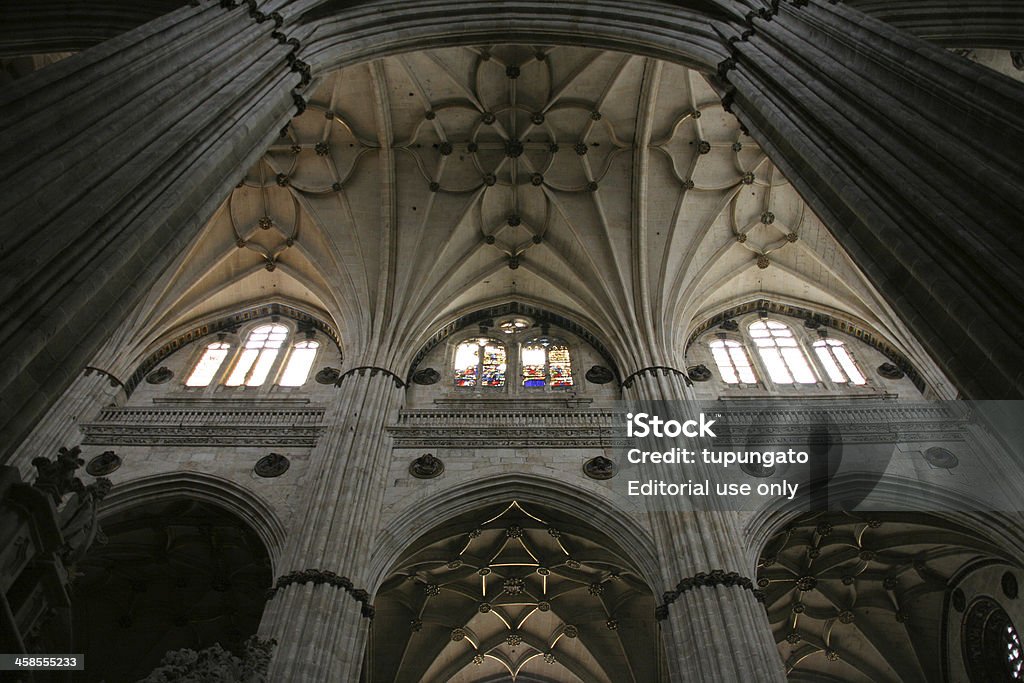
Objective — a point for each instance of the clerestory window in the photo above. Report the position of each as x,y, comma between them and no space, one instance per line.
546,363
781,353
300,362
838,362
480,363
733,363
258,355
206,369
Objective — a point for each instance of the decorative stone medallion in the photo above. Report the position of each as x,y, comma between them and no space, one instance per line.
599,467
890,371
426,467
699,373
1009,585
103,464
273,465
426,377
600,375
942,458
160,376
328,375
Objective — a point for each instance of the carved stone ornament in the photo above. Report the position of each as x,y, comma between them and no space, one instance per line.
426,467
730,325
942,458
717,577
426,377
273,465
328,375
699,373
599,467
1010,586
160,376
890,371
216,663
600,375
103,464
57,477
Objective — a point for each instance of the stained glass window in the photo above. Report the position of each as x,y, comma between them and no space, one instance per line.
546,363
480,362
494,364
534,359
559,366
258,355
467,360
207,367
300,362
838,362
781,353
733,362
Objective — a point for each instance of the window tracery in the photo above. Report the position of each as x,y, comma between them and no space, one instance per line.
838,362
258,356
546,363
781,353
733,363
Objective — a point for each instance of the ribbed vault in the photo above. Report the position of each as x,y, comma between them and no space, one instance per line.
514,592
860,598
420,187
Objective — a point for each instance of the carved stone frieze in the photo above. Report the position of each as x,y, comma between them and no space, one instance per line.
866,423
182,423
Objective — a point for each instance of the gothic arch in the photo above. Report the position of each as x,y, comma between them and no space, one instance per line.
484,486
537,311
865,595
885,195
847,324
234,498
913,496
168,344
497,578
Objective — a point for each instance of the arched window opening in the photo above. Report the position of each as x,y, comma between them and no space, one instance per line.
546,363
206,369
480,362
733,362
300,362
258,356
780,351
838,362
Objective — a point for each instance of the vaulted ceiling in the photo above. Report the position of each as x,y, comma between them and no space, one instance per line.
514,592
861,597
610,188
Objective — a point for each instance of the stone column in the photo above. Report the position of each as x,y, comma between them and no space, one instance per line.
70,25
715,628
912,157
127,149
318,613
